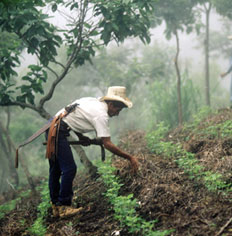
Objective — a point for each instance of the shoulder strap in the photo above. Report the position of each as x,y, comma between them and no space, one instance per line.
52,135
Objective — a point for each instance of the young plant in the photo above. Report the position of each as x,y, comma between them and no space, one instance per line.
38,228
125,206
187,161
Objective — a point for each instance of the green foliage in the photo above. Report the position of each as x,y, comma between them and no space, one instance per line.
9,206
36,77
223,7
214,182
201,115
22,222
154,138
30,24
10,3
29,27
112,20
25,194
178,15
187,161
164,101
156,63
198,117
123,18
38,228
9,59
125,206
222,130
44,205
107,67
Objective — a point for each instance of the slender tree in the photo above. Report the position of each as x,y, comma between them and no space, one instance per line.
223,7
179,17
8,148
204,8
207,8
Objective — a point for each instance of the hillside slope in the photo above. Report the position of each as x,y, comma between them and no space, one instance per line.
195,201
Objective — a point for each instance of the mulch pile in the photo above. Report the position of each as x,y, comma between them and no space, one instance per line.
163,190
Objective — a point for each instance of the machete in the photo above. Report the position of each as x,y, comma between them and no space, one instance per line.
90,142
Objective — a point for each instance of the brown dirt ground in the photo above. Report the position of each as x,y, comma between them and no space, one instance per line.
163,190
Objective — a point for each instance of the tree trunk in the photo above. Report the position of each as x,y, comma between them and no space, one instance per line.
11,163
178,80
7,154
207,78
2,180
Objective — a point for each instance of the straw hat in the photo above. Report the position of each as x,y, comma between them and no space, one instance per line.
229,37
117,93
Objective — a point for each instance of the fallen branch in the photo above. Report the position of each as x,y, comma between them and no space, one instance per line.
224,226
11,185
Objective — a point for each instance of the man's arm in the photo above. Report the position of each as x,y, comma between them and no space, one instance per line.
117,151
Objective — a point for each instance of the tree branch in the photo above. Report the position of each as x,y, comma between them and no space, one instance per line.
40,110
70,61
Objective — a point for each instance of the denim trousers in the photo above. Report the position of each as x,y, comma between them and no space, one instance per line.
62,171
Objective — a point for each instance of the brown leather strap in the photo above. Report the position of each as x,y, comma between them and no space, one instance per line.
29,140
53,136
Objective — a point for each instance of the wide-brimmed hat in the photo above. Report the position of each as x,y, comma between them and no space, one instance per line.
229,37
117,93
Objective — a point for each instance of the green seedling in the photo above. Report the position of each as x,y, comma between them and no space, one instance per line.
125,206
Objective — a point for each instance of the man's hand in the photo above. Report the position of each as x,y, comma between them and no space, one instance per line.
117,151
134,164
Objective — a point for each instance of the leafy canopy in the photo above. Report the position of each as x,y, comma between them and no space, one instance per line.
89,25
178,15
223,7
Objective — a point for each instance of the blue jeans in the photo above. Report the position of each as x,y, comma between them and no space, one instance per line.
62,172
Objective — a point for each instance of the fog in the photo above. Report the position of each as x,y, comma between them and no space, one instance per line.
190,48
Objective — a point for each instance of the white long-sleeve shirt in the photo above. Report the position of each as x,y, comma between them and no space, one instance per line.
89,115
